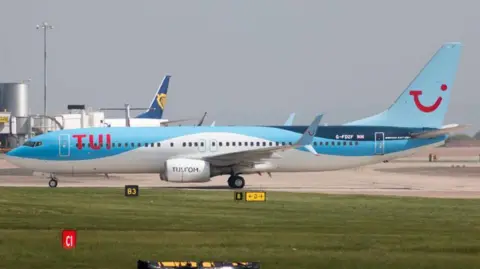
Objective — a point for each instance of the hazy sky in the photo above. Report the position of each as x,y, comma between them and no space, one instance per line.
245,62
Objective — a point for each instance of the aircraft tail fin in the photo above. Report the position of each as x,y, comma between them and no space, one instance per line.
424,102
159,101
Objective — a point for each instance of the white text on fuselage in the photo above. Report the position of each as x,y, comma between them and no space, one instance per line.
185,169
344,136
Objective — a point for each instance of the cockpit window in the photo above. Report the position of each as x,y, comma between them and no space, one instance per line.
32,144
29,144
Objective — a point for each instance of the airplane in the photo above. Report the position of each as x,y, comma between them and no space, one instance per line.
412,123
152,116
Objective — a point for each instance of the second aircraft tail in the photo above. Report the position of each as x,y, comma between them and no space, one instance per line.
159,101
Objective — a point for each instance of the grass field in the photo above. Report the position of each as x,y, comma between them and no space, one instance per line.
296,230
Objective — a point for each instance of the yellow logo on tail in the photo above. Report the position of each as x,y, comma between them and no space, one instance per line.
161,100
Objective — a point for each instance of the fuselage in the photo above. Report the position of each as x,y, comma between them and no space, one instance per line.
145,149
135,122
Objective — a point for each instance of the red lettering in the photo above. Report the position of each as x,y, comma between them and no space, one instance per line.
109,141
79,138
94,145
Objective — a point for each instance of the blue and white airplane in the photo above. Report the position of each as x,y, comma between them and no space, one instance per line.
196,154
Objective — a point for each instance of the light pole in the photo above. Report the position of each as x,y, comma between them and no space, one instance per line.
45,26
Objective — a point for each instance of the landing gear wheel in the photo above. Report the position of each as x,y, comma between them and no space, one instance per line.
236,182
53,183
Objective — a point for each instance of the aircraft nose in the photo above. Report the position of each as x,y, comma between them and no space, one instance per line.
14,156
12,153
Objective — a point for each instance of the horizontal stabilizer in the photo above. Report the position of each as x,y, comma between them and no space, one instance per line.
446,129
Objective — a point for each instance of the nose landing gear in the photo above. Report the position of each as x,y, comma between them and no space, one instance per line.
53,181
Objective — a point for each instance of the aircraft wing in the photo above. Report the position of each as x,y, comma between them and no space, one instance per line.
252,156
446,129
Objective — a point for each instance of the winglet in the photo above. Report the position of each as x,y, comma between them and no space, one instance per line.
309,134
289,121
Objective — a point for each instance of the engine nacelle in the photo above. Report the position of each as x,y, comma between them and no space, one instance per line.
186,170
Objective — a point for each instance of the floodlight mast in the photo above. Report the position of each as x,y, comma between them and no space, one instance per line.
45,26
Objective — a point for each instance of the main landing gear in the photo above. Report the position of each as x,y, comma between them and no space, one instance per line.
53,181
236,182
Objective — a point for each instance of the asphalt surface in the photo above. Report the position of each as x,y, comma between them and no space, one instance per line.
414,177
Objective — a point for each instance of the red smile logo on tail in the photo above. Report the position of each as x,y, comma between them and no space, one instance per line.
427,109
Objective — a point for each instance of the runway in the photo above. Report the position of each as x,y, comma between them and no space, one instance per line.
450,177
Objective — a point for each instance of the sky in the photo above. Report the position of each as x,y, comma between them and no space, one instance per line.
243,62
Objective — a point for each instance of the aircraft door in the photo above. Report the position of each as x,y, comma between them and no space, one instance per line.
202,145
213,145
64,145
379,143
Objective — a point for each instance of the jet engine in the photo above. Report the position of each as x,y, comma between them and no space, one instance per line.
186,170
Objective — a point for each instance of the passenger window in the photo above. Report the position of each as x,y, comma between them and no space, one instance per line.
258,144
271,144
320,143
146,145
133,144
201,144
264,144
113,145
126,145
139,144
239,144
344,143
315,143
213,143
152,145
171,144
158,144
283,143
83,144
220,144
278,143
184,144
251,144
356,143
189,144
338,143
351,143
326,143
227,144
119,145
195,144
290,143
233,144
